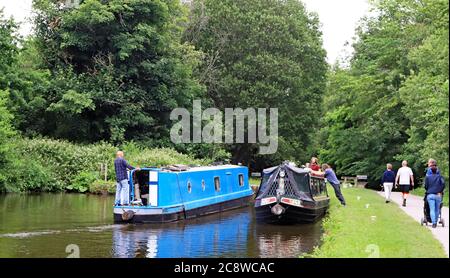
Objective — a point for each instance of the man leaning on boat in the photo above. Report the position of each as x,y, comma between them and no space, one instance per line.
122,190
329,174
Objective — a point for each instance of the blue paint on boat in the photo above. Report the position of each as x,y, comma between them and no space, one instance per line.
176,195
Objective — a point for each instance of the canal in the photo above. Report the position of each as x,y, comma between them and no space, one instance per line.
61,225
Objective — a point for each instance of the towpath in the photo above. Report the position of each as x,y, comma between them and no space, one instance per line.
414,208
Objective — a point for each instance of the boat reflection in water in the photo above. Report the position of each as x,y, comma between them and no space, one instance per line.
229,234
276,241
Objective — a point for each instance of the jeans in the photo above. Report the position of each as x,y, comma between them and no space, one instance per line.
387,190
122,193
337,191
434,201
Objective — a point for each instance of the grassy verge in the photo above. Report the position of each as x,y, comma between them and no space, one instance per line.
421,192
381,230
254,181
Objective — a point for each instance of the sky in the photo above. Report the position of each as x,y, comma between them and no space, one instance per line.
339,19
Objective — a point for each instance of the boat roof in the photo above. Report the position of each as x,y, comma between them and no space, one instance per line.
198,168
210,168
289,166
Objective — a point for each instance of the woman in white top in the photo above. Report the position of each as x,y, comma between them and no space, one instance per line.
405,179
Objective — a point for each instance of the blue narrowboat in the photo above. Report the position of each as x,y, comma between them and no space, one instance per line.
174,193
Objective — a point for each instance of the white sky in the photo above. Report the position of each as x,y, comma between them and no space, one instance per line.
338,17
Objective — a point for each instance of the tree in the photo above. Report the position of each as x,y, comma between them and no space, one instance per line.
117,68
8,49
426,92
392,103
262,54
6,130
8,52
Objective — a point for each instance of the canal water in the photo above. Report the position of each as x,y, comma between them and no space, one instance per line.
62,225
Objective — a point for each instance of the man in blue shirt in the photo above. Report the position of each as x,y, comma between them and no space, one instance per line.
122,189
333,180
434,186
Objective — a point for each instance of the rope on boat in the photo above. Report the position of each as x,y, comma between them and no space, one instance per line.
127,215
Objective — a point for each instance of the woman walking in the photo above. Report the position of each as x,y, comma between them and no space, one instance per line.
387,181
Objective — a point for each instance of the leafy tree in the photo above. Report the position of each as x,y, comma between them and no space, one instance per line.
117,68
8,50
29,83
264,54
392,102
6,131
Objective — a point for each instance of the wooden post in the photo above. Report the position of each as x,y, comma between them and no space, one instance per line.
101,169
106,171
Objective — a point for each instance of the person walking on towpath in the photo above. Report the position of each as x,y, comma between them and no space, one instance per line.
434,186
387,181
405,179
122,188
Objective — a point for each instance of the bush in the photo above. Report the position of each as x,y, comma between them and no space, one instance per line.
82,181
103,187
64,158
143,157
52,165
24,175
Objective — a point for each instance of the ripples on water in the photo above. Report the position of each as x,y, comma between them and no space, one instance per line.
43,225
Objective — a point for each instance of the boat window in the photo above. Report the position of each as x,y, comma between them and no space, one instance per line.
302,182
241,180
189,186
217,183
203,185
264,181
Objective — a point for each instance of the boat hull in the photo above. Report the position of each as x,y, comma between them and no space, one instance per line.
143,215
292,214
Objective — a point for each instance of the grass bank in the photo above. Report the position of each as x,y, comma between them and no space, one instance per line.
380,230
254,181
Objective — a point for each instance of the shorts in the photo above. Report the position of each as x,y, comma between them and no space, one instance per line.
404,188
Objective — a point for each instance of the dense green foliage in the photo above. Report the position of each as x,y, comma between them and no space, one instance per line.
8,50
391,103
6,133
264,54
116,70
53,165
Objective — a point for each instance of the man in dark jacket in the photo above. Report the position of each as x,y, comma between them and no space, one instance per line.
434,185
